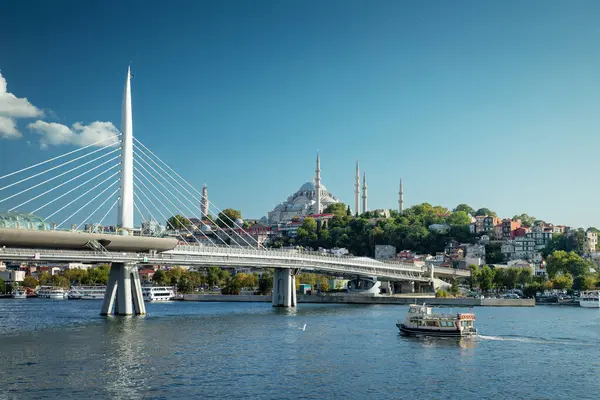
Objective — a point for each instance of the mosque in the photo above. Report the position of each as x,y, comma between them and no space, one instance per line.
311,198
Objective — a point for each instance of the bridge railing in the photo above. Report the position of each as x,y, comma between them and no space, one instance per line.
296,254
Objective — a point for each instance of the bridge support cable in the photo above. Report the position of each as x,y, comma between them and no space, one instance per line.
88,203
180,184
194,204
108,212
56,167
83,194
179,198
62,155
169,211
139,212
166,208
97,208
135,196
69,181
56,177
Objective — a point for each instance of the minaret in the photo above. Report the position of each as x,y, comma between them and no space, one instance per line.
357,191
365,195
204,203
318,185
125,214
401,198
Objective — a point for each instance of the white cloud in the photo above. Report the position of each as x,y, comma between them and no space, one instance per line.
12,107
79,135
8,129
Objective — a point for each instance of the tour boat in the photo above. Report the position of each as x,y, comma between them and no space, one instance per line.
157,293
420,321
86,293
19,293
51,292
590,299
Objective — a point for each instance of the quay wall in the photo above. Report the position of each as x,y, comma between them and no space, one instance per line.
357,299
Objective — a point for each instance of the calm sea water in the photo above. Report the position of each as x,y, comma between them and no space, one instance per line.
64,349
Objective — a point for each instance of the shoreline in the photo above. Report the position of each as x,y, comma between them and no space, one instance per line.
357,299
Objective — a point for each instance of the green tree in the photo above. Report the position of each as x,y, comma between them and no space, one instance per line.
465,208
512,277
227,217
265,282
185,285
562,262
96,276
213,276
2,286
485,211
178,222
563,281
459,218
310,225
584,282
30,282
454,288
160,278
493,253
525,277
44,278
486,278
174,275
525,219
500,278
338,209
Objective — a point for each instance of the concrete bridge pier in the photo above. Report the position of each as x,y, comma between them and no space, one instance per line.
124,291
284,287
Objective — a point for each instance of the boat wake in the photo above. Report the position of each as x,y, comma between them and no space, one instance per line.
531,339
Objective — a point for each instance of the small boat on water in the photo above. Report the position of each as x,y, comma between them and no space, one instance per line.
589,299
19,293
421,321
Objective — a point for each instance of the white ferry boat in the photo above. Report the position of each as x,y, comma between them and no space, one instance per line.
421,321
157,293
19,293
86,293
589,299
51,292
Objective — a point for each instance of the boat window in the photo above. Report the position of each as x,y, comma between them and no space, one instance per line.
432,323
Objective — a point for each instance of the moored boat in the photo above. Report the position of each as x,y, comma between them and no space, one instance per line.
86,293
157,293
19,293
589,299
420,320
51,292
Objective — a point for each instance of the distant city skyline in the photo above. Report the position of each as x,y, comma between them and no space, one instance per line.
490,104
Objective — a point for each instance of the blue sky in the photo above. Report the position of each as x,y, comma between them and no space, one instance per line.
493,104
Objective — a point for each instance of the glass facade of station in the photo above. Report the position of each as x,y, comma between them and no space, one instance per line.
10,219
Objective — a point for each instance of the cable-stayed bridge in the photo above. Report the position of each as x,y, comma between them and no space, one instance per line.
58,210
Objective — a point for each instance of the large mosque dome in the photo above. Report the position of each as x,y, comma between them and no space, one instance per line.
301,203
310,186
